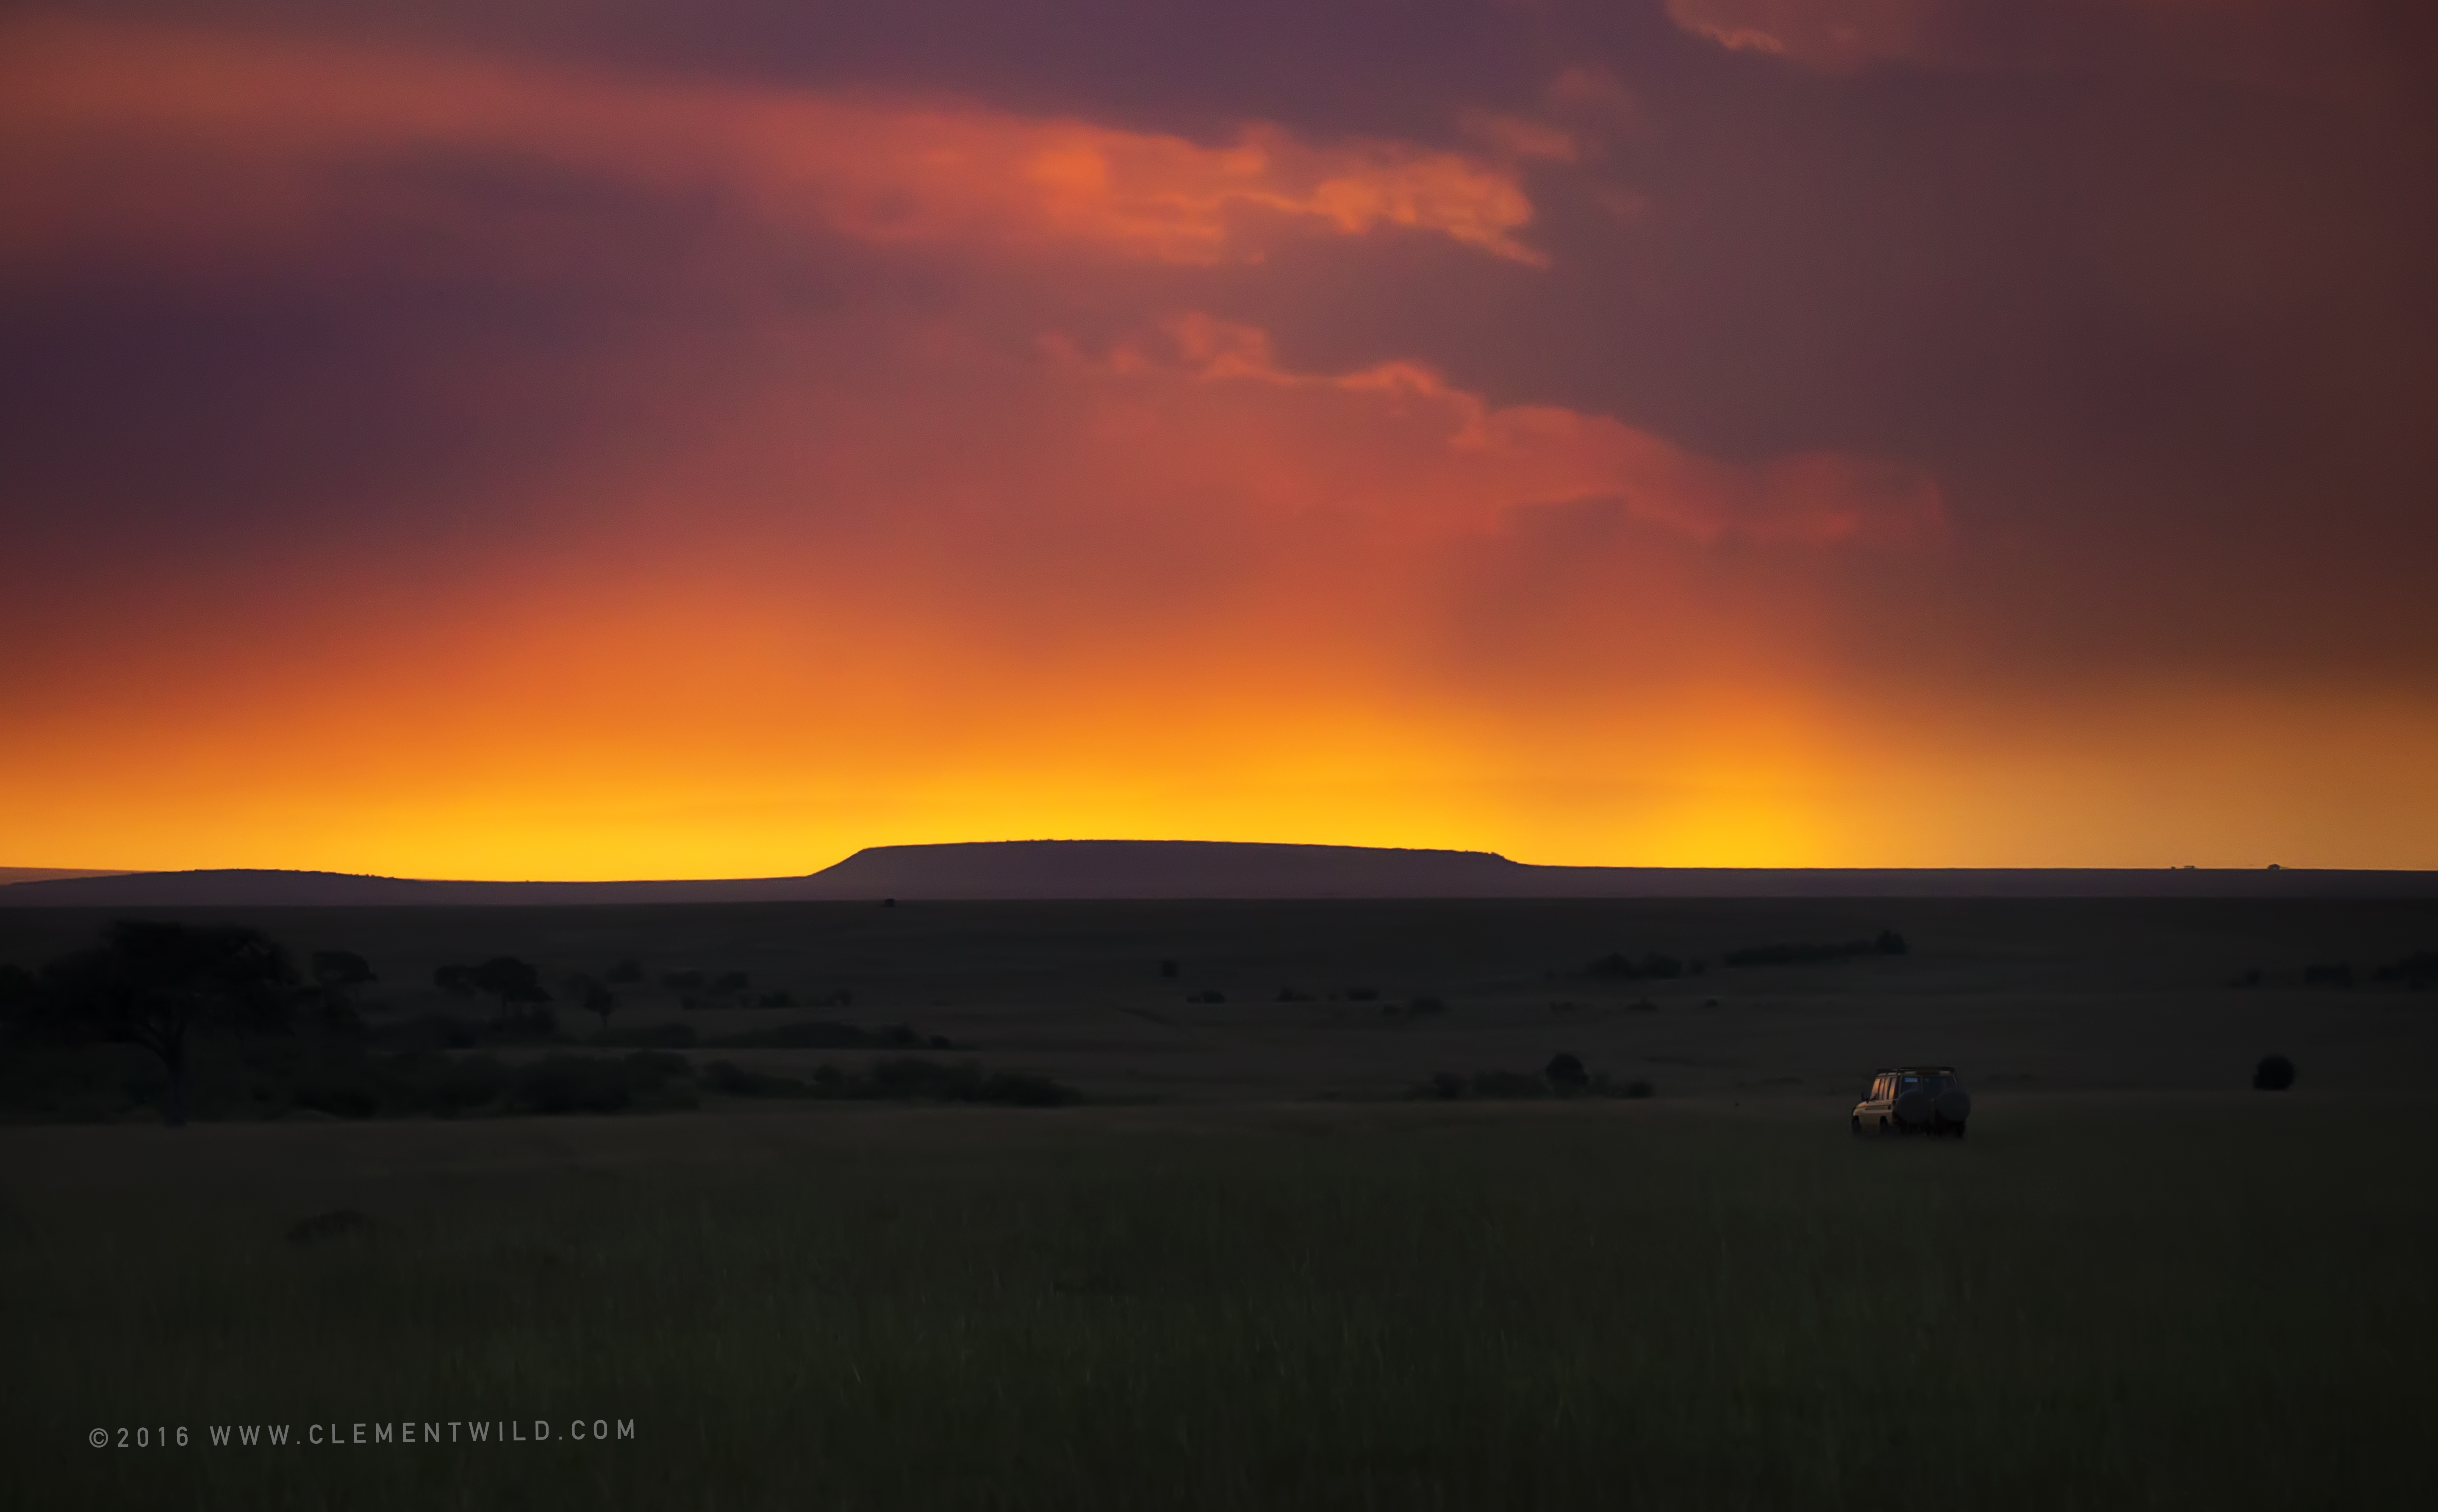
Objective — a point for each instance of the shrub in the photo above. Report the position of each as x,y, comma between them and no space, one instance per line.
1168,969
734,1080
417,1081
682,981
588,1083
339,1098
1023,1089
650,1037
1888,942
433,1031
2329,974
16,993
1619,966
2418,970
344,1224
1206,997
2273,1074
1362,994
628,972
1566,1076
730,981
1509,1085
931,1080
778,999
339,968
817,1034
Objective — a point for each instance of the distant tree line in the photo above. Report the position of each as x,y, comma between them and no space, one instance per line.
290,1041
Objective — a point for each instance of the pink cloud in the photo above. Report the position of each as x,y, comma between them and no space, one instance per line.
145,132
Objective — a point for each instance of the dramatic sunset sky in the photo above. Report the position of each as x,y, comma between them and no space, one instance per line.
660,438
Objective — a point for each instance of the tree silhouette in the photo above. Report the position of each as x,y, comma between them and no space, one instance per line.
593,995
341,968
516,984
157,984
16,991
1566,1073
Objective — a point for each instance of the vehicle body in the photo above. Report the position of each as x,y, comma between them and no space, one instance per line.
1926,1100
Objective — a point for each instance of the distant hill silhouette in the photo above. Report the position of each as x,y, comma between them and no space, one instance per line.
1196,868
11,875
1170,868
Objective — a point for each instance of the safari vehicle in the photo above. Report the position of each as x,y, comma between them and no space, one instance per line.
1925,1100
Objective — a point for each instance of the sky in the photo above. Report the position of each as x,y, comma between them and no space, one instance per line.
518,439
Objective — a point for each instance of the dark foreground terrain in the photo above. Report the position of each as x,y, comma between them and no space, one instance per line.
1269,1264
2203,1300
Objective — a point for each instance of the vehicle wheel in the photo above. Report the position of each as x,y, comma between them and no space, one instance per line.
1883,1128
1959,1131
1858,1126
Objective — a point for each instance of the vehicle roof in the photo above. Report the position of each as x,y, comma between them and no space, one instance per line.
1917,1070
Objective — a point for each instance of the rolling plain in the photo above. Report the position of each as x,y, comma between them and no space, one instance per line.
1266,1263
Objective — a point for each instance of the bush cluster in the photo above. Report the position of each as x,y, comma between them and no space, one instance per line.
1618,965
1565,1076
1888,942
649,1037
451,1086
2418,970
450,1032
904,1079
819,1035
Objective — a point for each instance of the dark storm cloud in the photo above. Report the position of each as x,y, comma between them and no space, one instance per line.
2141,284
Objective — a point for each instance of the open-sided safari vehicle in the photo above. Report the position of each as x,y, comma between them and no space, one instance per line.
1914,1099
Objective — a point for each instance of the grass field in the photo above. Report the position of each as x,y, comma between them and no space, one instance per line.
2195,1300
1258,1274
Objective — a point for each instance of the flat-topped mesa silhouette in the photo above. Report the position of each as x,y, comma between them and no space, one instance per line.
1169,869
1081,871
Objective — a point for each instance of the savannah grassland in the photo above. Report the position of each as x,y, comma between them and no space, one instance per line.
1254,1273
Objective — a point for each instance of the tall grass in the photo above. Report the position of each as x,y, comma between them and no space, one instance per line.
2203,1303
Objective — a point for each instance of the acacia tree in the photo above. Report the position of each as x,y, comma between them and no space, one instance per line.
595,997
518,986
338,970
157,985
